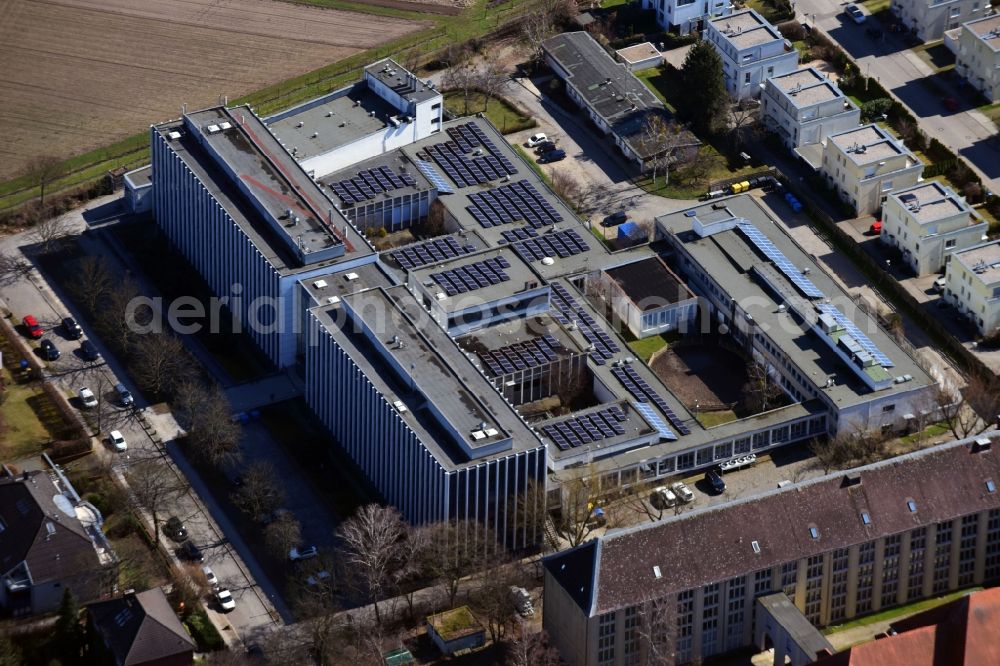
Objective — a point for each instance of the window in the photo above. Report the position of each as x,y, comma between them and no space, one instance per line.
756,547
950,243
866,518
746,79
990,488
813,532
606,639
911,505
888,408
631,649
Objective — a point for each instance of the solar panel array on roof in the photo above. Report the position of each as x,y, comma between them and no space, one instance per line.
472,276
567,309
520,356
511,203
369,183
521,233
486,163
654,420
855,332
437,180
643,392
560,244
588,428
776,256
433,251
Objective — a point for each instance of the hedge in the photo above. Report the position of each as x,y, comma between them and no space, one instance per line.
204,633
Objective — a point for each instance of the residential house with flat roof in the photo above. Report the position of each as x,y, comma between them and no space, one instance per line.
50,542
615,100
841,546
682,17
865,164
978,56
972,284
752,51
927,222
804,107
930,19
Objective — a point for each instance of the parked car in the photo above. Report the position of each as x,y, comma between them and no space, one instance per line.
304,553
715,481
855,13
87,397
682,492
175,529
662,498
49,350
210,577
939,284
124,395
614,219
552,156
225,599
189,551
545,147
536,139
950,103
118,441
89,351
32,327
318,578
71,328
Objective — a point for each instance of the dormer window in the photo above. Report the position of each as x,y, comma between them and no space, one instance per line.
990,486
911,505
866,518
813,532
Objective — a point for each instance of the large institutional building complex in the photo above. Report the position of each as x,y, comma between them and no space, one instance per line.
838,547
475,353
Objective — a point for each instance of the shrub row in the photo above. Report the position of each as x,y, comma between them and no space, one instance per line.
32,212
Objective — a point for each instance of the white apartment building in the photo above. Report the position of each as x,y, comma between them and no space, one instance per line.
978,57
752,51
685,16
973,284
929,19
804,107
927,223
865,164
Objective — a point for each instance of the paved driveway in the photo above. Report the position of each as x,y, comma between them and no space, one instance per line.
900,71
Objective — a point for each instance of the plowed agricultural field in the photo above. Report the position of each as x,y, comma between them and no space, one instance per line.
79,74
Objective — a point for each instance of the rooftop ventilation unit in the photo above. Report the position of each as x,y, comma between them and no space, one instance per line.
299,124
225,125
332,300
319,284
400,407
213,129
478,435
173,136
351,276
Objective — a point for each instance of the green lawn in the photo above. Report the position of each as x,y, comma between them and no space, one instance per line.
932,430
680,186
898,611
991,111
875,6
657,81
646,347
712,419
498,111
22,431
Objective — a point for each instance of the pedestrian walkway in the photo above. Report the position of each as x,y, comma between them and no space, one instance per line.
264,391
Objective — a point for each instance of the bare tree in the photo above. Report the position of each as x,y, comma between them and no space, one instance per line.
213,436
528,521
13,268
154,486
850,447
661,138
93,283
112,316
530,649
744,119
260,493
491,598
697,164
454,549
44,170
639,499
161,363
540,24
464,77
567,187
761,392
492,79
579,498
411,569
656,632
374,545
972,410
282,534
50,232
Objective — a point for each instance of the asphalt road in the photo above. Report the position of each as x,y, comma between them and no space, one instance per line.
900,71
254,612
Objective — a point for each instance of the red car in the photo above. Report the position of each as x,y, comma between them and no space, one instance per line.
31,325
950,103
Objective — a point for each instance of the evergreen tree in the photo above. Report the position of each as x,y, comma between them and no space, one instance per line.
68,635
705,100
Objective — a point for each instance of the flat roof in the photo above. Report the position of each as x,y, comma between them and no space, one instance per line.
140,177
735,264
395,161
931,201
805,87
405,84
983,261
870,143
795,625
649,283
608,87
746,28
330,288
639,52
276,180
441,375
986,29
